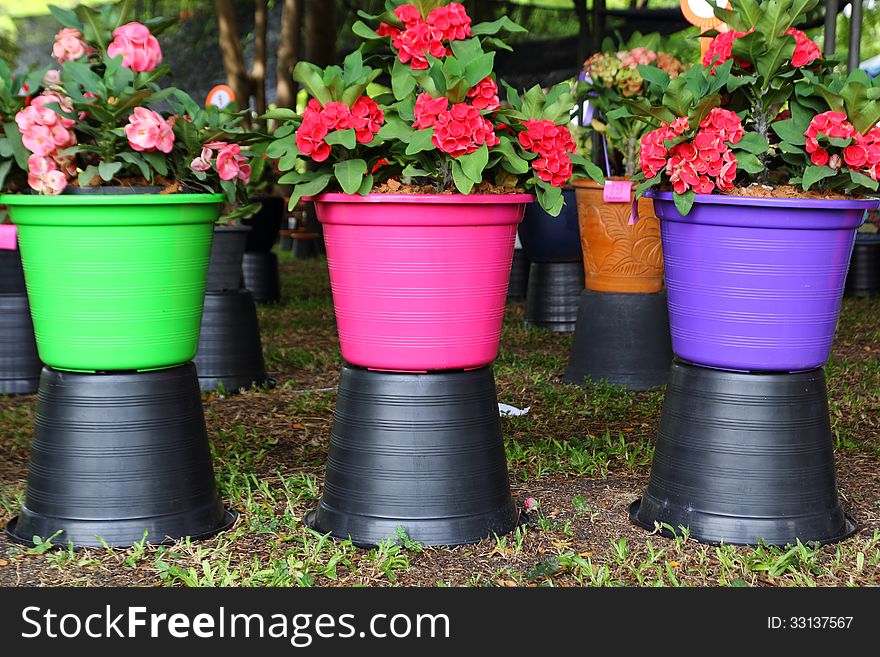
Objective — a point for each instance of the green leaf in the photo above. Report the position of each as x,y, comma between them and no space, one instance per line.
81,74
396,129
813,174
684,202
550,198
479,68
859,179
353,67
5,166
87,175
312,187
66,17
753,143
413,171
364,31
138,161
420,141
403,82
345,138
503,23
366,185
512,160
749,163
462,183
473,164
788,131
108,169
156,160
645,185
311,77
280,114
19,152
350,174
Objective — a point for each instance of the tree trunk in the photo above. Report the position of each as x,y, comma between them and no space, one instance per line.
288,52
320,19
258,71
233,55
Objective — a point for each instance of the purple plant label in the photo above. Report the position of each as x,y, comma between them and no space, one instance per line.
617,191
8,237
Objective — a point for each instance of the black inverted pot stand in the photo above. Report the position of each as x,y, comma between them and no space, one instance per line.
19,362
553,293
421,453
118,456
261,275
863,278
743,458
230,353
621,338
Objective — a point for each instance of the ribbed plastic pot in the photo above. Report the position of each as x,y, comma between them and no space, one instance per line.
755,284
552,239
519,276
863,278
11,272
230,351
266,224
116,282
225,265
419,451
19,362
419,281
621,338
745,457
117,455
553,295
285,243
261,276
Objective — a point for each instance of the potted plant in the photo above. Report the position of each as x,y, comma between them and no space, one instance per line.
761,169
419,189
19,363
620,255
115,239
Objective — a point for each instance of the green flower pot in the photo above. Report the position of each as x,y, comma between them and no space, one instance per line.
116,282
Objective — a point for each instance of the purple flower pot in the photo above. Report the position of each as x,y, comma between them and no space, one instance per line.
754,283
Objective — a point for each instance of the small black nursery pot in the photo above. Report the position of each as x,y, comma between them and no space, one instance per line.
227,250
19,362
519,276
553,295
622,338
230,351
118,455
742,458
863,278
266,223
261,276
421,452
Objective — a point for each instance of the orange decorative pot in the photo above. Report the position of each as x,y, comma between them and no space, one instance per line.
618,257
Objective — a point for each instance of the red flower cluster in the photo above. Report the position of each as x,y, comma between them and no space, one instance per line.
364,117
485,95
426,36
552,143
461,129
805,49
721,49
862,154
701,164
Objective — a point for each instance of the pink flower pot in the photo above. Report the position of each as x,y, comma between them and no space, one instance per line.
419,281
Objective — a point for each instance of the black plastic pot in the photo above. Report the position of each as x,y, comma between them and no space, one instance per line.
266,224
742,458
11,273
19,362
863,278
117,455
621,338
305,247
419,451
230,352
519,276
227,250
553,295
552,239
261,276
285,243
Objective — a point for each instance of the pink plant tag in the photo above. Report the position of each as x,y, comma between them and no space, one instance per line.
617,191
8,237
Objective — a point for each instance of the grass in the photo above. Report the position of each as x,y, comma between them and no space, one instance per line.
583,453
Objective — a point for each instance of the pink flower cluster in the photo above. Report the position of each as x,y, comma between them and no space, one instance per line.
484,96
70,45
148,131
702,164
461,129
552,143
721,49
426,36
862,154
46,133
139,49
805,49
230,163
364,117
636,57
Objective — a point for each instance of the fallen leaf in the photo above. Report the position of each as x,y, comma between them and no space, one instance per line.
3,562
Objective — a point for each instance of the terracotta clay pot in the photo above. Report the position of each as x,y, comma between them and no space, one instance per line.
618,257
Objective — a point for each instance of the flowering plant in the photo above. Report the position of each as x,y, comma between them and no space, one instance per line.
612,75
764,113
96,119
441,127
